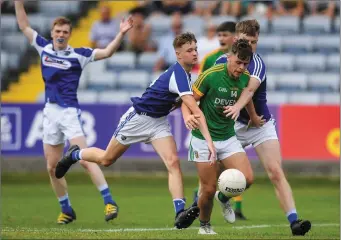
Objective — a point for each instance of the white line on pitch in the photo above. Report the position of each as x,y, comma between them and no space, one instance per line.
11,229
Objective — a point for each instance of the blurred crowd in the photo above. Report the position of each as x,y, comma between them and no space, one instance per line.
139,39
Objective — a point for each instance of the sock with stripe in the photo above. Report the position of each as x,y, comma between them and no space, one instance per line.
76,155
65,204
179,204
106,195
292,216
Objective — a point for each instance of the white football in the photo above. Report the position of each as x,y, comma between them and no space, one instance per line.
232,182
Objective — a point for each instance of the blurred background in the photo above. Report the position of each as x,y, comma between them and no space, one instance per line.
299,43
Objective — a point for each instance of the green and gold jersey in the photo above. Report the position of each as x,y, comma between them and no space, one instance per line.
218,89
209,60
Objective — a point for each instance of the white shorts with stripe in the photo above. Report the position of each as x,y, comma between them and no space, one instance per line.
198,150
134,128
61,124
255,136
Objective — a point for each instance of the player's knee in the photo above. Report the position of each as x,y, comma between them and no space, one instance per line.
106,162
51,169
208,190
173,163
275,174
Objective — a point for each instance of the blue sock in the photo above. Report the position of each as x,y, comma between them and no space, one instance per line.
292,216
76,156
179,204
105,192
65,204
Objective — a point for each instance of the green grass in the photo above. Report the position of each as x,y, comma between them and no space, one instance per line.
29,210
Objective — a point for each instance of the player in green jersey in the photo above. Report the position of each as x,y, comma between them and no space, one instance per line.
217,87
225,33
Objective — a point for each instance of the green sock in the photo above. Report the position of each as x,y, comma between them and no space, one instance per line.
238,205
223,198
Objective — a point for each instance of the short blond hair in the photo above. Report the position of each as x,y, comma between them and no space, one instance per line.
62,21
248,27
183,38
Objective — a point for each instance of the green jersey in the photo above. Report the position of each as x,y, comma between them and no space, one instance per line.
218,89
209,60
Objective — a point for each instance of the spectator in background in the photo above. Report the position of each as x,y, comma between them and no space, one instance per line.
327,8
169,7
290,7
138,38
260,8
209,42
206,8
232,8
104,30
166,53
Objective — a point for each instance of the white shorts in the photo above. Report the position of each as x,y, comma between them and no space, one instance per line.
255,136
198,150
135,128
61,124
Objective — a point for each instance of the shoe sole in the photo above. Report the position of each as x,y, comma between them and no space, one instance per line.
191,216
305,227
111,217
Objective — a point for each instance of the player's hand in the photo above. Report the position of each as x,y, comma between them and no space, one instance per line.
257,121
126,25
213,154
232,111
191,122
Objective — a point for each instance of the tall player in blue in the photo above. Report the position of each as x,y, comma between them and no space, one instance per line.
61,67
263,138
146,121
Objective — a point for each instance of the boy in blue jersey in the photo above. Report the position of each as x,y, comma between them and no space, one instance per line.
61,67
262,137
146,121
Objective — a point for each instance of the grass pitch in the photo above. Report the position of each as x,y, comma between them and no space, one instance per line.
29,210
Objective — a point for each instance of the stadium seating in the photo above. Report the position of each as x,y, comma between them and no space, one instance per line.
275,97
147,61
133,80
297,44
269,44
285,25
311,62
301,55
305,98
8,23
87,96
324,82
317,25
279,62
112,96
292,81
326,44
330,98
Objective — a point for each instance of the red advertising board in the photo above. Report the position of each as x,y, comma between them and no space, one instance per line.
310,132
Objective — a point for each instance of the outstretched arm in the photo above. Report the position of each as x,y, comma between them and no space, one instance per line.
190,106
23,20
107,52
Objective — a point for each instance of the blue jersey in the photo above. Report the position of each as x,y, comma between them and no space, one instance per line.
257,70
160,97
61,70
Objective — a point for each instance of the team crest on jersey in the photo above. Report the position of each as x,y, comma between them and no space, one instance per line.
196,154
55,62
